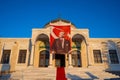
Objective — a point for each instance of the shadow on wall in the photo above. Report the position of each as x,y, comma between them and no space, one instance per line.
4,72
30,48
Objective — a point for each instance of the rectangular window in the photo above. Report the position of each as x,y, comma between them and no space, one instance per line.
97,56
22,56
6,57
113,57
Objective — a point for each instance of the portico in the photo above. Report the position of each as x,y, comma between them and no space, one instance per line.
41,52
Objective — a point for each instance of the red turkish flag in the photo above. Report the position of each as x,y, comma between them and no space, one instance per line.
55,33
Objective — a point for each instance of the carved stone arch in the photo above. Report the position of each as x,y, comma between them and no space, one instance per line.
42,37
111,44
81,36
74,50
77,40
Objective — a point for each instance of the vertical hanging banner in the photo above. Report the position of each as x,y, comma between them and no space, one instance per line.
60,39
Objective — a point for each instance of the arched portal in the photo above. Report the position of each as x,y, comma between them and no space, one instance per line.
79,51
41,53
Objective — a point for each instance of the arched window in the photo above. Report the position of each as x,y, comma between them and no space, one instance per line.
44,58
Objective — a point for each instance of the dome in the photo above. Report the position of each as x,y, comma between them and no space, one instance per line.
59,21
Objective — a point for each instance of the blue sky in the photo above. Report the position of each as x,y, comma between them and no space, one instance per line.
19,17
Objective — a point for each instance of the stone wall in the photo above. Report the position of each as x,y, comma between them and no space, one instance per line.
15,44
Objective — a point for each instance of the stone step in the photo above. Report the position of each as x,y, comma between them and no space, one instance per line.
39,78
71,74
34,77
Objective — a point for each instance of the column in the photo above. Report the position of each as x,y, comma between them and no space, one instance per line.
31,56
50,60
70,60
88,55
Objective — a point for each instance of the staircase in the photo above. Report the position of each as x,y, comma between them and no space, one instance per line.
90,73
35,74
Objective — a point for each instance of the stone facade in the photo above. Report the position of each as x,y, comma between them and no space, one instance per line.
82,48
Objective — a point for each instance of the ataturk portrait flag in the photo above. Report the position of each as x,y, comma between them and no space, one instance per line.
60,39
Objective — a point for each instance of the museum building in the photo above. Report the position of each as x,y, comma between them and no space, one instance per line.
21,53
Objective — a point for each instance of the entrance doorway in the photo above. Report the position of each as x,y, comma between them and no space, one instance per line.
76,59
59,60
44,58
